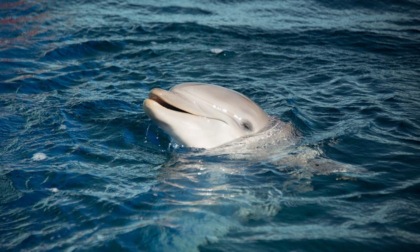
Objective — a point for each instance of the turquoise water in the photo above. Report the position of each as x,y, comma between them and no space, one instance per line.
83,168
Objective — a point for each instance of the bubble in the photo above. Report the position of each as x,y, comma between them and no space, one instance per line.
216,50
39,156
54,190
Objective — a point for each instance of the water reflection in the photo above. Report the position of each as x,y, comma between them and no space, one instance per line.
20,22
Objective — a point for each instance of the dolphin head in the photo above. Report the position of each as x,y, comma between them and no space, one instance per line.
203,115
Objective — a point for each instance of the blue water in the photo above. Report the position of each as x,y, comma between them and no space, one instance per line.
83,168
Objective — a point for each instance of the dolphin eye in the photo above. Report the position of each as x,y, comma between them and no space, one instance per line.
247,125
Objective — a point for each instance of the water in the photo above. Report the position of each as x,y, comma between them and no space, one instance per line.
83,168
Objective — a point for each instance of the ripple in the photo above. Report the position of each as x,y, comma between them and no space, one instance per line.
84,49
179,10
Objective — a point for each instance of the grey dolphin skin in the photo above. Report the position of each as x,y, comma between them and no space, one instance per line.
207,116
203,115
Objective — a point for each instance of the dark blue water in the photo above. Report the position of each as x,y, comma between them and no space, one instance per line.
83,168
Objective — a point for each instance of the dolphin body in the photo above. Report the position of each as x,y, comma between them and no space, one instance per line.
203,115
207,116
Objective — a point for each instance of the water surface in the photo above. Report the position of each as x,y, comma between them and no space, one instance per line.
83,168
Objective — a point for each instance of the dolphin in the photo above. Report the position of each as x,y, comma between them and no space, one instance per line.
205,116
236,136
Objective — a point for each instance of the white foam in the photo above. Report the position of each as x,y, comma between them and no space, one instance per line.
39,156
216,50
54,190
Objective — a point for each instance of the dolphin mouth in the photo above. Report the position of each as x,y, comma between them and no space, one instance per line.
168,100
162,103
166,104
